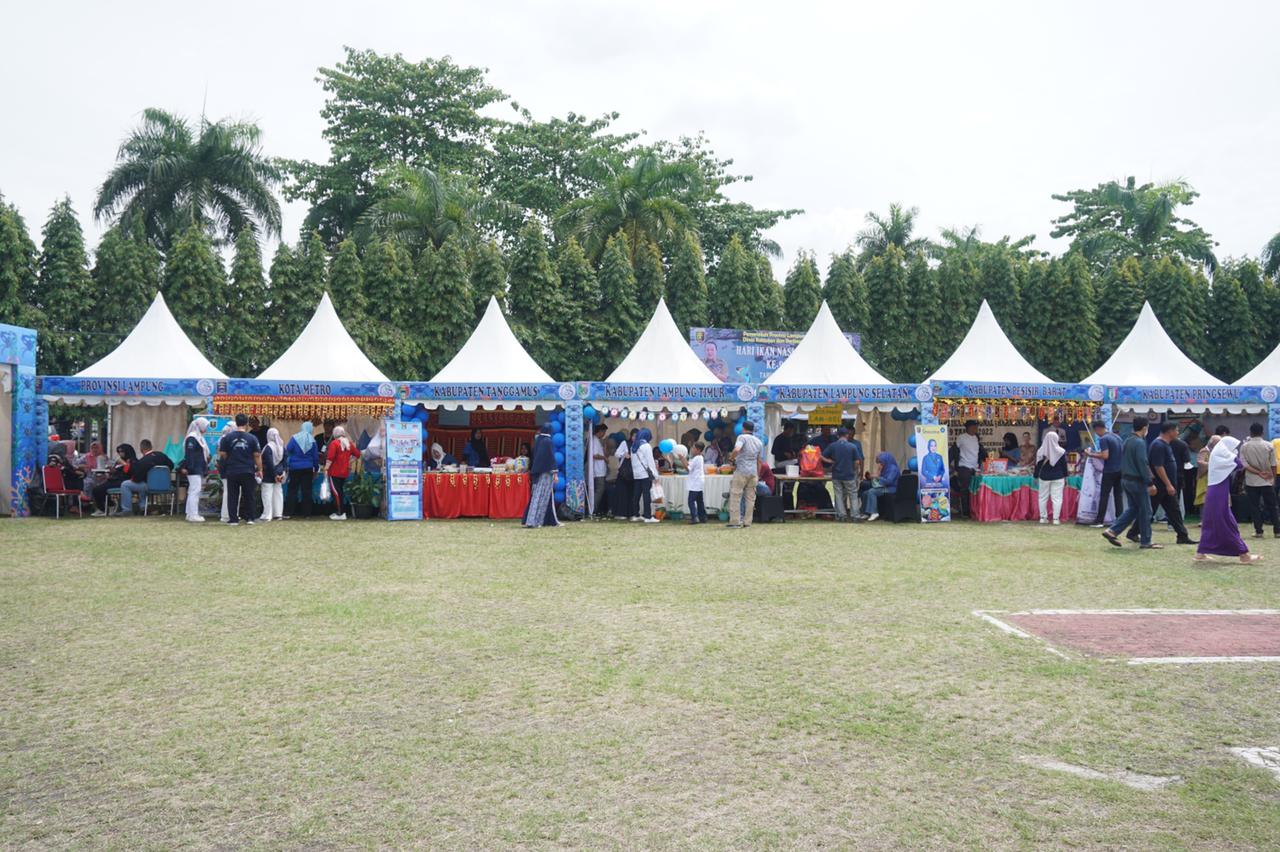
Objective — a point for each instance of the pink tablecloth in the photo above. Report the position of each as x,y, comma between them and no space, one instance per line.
1021,502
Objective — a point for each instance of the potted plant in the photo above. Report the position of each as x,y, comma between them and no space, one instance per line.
364,490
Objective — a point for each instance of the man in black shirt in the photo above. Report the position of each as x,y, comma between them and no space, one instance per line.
1164,471
784,446
240,458
136,485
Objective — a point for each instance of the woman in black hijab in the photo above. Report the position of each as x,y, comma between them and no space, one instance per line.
476,452
542,475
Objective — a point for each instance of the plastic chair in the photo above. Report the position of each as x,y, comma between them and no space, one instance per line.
160,484
56,487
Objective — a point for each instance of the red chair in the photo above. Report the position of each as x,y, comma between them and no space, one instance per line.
55,487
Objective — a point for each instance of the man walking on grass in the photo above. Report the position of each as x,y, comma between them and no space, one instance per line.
1259,458
746,465
241,471
1135,476
1165,475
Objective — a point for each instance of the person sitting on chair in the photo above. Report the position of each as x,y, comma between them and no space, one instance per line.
136,486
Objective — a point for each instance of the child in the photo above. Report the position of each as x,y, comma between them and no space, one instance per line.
697,509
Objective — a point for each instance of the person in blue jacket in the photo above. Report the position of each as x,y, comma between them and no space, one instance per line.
303,460
933,472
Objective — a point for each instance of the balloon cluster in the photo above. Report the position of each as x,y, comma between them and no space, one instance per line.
913,462
555,422
411,413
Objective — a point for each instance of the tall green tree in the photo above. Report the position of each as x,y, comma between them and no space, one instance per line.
126,277
1178,296
245,333
892,330
1073,346
1229,344
802,293
1264,306
418,206
310,281
923,354
959,292
1120,298
579,352
845,292
1040,311
621,319
169,174
732,292
650,278
450,306
1271,257
772,302
64,291
346,283
195,288
999,285
533,294
687,284
1113,220
17,268
895,229
488,277
391,284
283,275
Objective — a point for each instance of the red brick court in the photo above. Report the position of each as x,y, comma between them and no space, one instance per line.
1154,634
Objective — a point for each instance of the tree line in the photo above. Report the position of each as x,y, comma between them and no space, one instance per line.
428,207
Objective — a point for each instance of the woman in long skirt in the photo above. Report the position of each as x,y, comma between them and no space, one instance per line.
542,470
1219,532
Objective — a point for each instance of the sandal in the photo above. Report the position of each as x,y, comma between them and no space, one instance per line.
1151,547
1251,558
1203,557
1111,537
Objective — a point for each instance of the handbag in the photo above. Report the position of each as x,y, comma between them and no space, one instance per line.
324,490
656,493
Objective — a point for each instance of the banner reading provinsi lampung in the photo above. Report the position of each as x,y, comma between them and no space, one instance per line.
935,481
750,357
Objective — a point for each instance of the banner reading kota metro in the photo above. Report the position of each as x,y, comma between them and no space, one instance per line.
935,481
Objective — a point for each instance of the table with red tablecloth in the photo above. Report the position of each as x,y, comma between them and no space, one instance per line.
474,495
1016,498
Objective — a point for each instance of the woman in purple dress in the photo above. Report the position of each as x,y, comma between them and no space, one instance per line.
1219,532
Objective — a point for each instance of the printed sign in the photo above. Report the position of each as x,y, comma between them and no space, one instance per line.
735,355
826,415
404,471
935,481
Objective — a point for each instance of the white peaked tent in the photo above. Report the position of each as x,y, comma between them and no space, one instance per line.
1149,358
323,352
493,355
662,355
1266,373
156,348
825,357
986,355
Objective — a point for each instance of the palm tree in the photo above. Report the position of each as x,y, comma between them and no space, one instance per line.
418,206
638,198
1271,256
892,230
168,175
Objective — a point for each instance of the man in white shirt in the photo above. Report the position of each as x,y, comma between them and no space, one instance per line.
969,459
695,483
599,467
746,473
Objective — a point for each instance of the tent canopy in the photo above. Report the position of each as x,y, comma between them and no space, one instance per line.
323,352
1148,357
825,357
1266,373
156,348
987,355
492,354
662,355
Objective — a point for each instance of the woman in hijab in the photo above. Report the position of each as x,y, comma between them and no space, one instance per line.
195,461
1202,468
542,473
644,472
1219,532
1051,475
337,466
476,452
1010,450
622,505
886,483
274,467
439,458
302,459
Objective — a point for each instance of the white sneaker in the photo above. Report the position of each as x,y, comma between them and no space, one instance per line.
636,520
334,516
196,519
873,516
265,520
338,517
1056,523
98,514
652,521
248,523
1043,521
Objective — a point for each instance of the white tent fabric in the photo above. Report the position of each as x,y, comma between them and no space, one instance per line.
156,348
492,355
662,355
825,357
1266,373
323,352
987,355
1149,358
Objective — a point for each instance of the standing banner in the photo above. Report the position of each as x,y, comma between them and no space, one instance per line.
404,470
935,481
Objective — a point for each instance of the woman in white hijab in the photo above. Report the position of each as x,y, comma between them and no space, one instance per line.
273,473
1219,532
195,461
1051,475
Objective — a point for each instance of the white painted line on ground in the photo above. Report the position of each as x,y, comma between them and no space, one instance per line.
1136,780
1021,634
1186,661
1266,757
1149,612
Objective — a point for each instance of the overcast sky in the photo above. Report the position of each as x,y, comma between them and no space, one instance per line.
973,112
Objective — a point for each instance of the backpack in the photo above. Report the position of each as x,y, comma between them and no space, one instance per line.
811,461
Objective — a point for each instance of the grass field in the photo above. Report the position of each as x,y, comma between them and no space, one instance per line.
472,684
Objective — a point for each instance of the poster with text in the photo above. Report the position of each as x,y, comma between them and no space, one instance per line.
935,481
404,471
736,355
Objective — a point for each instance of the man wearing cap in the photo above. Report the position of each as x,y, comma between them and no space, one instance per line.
969,454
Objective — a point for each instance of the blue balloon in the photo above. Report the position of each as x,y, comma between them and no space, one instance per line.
911,439
556,426
913,463
666,445
559,458
737,428
557,440
707,436
588,413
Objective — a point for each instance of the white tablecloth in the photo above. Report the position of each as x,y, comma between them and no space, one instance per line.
714,491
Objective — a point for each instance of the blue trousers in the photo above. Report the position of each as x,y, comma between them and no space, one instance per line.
1137,509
